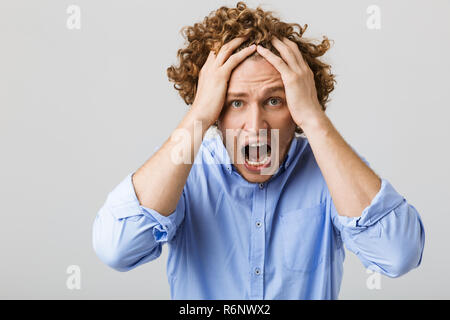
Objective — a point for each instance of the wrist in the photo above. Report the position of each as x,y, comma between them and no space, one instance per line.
200,114
197,120
197,114
313,120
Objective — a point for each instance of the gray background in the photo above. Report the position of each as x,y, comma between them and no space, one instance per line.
80,109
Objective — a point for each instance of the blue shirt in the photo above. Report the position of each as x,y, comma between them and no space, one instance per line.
282,239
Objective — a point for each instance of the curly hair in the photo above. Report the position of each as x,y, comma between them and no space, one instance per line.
225,24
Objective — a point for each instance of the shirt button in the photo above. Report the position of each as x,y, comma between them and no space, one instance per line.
261,185
258,224
257,271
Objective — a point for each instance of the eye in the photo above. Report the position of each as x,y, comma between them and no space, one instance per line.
236,103
274,101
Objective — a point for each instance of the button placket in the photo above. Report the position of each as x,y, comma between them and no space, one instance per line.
257,251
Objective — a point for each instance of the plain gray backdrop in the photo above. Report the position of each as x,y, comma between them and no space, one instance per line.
80,109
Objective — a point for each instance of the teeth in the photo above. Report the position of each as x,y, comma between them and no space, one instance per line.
259,144
258,163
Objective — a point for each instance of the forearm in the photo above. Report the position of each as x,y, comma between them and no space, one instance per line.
351,182
160,181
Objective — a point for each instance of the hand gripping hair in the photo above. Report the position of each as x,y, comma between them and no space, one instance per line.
225,24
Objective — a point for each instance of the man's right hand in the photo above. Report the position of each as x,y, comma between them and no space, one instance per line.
159,182
213,79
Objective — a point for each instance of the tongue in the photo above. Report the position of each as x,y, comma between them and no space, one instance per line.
257,154
253,154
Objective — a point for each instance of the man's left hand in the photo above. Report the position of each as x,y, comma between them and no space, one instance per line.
298,79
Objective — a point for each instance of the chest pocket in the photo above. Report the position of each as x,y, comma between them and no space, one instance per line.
302,234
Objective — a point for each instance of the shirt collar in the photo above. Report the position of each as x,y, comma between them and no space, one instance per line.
290,155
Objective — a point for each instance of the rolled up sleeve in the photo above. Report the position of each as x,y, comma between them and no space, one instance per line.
388,237
127,234
165,227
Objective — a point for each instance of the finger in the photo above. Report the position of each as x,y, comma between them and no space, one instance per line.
227,49
286,53
211,56
274,60
238,57
295,49
209,60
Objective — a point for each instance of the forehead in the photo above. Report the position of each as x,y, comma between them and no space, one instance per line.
254,74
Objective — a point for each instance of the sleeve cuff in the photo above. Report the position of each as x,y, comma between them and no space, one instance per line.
123,203
384,202
165,229
122,200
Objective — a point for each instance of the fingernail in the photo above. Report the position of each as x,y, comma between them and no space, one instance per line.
252,46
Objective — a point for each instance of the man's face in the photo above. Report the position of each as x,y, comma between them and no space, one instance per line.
256,104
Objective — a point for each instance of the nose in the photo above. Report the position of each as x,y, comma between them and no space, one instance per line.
255,119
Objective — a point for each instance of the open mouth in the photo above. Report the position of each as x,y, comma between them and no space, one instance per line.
256,155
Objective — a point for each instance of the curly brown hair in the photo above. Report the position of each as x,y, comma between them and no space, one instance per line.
225,24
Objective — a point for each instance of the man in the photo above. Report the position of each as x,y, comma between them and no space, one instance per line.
262,213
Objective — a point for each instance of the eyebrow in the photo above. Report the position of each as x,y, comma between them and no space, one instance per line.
245,94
